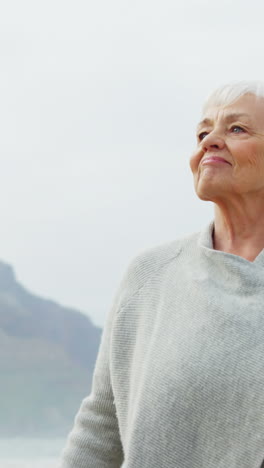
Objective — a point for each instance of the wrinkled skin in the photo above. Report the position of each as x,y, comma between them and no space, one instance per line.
228,169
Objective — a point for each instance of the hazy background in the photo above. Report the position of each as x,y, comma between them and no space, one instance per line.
98,107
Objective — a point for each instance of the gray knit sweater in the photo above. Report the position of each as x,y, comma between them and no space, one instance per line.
179,379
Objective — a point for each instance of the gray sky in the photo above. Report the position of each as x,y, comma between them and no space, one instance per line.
98,106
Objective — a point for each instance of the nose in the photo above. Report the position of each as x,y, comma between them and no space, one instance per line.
212,141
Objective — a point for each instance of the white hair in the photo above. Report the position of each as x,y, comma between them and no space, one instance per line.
228,93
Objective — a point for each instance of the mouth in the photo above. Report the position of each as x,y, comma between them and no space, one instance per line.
214,160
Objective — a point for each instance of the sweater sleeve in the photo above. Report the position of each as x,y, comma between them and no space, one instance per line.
94,441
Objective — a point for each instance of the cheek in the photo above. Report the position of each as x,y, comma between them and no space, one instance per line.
253,157
194,161
253,160
256,157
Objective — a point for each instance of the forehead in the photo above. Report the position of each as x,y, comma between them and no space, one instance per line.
249,108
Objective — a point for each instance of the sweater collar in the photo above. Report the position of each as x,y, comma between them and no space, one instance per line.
206,242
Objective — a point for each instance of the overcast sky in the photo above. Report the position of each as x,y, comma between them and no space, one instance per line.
98,106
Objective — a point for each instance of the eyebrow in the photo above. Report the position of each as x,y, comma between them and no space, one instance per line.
228,118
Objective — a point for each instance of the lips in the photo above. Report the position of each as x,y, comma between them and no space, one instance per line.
214,160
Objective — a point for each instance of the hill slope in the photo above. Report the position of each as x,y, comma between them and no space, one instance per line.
47,355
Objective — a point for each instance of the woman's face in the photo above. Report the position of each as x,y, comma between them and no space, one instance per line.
229,159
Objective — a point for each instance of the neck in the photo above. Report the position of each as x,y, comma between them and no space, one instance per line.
239,230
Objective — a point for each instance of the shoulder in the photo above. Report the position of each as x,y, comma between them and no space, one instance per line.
150,262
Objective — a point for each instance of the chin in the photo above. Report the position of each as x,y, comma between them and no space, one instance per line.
210,187
208,192
204,197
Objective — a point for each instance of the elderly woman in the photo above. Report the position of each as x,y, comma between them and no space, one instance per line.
179,379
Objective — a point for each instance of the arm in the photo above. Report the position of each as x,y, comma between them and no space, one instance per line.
94,441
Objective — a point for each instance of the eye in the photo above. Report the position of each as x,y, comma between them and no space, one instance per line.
237,129
202,135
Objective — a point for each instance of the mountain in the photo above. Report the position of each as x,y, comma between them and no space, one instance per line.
47,356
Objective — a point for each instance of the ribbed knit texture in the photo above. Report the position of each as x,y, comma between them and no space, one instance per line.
179,378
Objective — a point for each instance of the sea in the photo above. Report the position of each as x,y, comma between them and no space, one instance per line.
30,453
